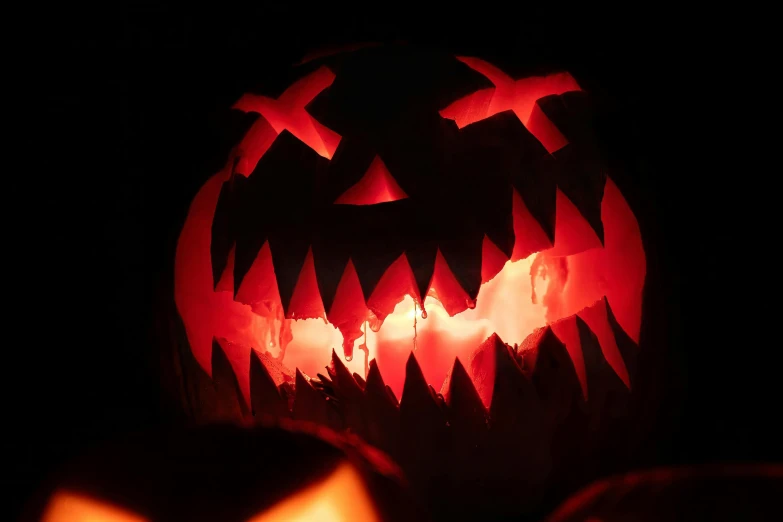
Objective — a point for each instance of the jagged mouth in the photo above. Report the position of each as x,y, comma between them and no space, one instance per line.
278,310
518,298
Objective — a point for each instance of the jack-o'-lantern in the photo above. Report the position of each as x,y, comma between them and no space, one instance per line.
227,473
404,223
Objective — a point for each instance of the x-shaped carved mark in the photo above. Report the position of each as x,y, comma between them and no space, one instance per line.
285,113
519,96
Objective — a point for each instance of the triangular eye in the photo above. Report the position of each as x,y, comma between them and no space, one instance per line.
376,186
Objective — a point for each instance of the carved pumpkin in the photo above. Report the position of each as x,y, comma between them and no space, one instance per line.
433,230
230,474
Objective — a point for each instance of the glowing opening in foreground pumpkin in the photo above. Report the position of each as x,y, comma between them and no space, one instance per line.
341,497
65,506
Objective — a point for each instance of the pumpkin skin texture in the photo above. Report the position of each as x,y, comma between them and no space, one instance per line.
223,472
712,492
420,249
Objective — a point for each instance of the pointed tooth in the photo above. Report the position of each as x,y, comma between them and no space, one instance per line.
468,427
288,393
492,154
349,394
229,402
283,179
527,352
567,332
466,411
528,166
392,396
330,257
601,378
517,431
607,410
359,380
492,260
242,158
226,281
379,236
265,397
258,288
306,300
553,376
253,261
437,397
371,267
482,364
396,282
416,397
348,310
377,388
278,372
310,406
382,413
289,253
421,258
446,287
423,428
579,170
332,375
463,256
511,388
529,236
627,347
597,320
326,381
573,233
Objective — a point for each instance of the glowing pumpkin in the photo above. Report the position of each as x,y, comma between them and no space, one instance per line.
229,474
418,222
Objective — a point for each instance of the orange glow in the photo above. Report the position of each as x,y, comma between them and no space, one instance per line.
376,186
70,507
519,96
529,236
306,302
543,283
341,497
523,295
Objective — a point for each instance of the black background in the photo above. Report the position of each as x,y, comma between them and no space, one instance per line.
124,134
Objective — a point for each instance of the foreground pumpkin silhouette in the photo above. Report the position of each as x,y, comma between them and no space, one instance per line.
229,474
717,492
422,250
300,472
